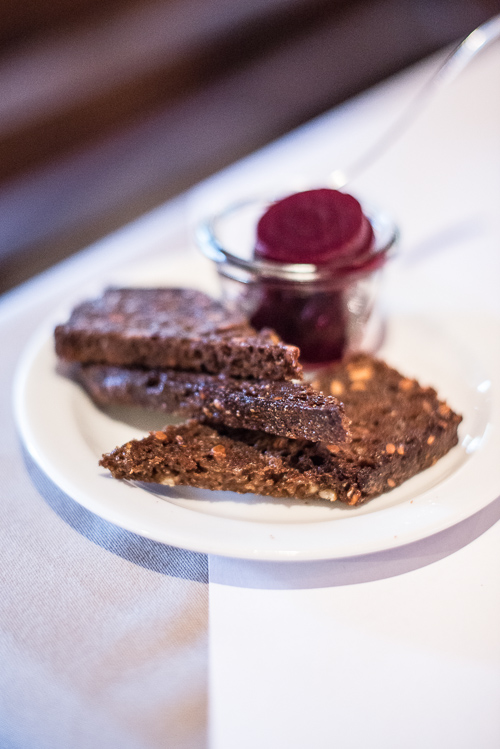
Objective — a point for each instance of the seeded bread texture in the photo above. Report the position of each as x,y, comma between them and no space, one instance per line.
398,429
173,328
288,409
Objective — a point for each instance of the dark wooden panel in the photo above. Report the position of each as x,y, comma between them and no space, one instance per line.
261,87
61,91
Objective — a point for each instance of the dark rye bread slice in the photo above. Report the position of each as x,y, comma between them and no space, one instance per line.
398,429
176,329
288,409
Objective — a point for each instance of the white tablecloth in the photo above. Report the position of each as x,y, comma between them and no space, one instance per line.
400,648
106,639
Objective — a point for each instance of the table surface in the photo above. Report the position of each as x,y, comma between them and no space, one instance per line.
111,639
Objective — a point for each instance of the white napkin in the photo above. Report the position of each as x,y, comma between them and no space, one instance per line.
103,634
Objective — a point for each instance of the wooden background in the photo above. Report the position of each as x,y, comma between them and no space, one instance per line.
109,107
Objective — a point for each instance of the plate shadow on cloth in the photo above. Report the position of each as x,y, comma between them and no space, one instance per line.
152,555
353,570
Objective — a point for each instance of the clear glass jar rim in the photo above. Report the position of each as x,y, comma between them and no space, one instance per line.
386,237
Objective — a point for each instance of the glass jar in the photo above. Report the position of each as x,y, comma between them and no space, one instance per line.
324,311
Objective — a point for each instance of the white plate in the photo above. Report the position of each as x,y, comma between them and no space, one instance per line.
66,435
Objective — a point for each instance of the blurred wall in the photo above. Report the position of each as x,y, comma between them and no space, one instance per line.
109,107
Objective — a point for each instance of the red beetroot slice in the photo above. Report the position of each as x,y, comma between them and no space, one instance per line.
317,226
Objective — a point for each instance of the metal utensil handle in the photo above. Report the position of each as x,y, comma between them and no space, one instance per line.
452,66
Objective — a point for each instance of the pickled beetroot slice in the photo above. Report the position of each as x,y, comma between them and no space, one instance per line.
316,324
317,226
